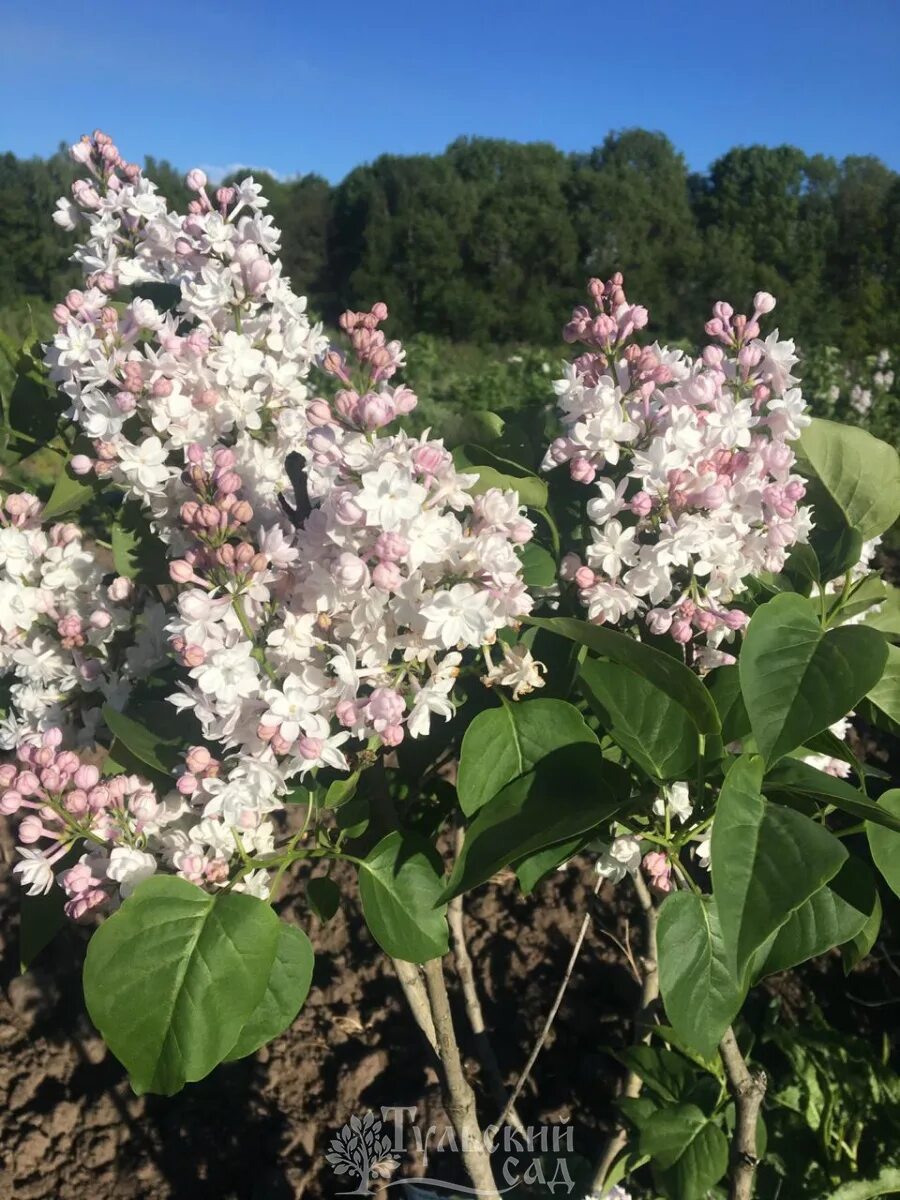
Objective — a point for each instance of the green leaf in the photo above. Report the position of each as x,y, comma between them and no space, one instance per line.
569,791
887,619
69,494
833,915
885,843
795,778
887,1184
854,951
766,862
652,728
689,1150
662,670
400,885
797,678
286,990
860,474
502,743
137,552
885,695
341,790
171,979
531,869
496,472
700,993
323,896
538,566
725,688
157,750
40,920
35,404
670,1076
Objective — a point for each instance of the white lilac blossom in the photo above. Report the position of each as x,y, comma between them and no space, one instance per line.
60,614
328,574
688,465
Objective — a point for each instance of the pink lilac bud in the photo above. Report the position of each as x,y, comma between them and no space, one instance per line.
582,470
87,776
386,576
405,400
7,774
391,547
78,879
196,179
181,571
28,783
10,802
375,411
735,619
429,460
310,747
206,399
193,656
81,464
31,830
713,356
385,705
79,906
521,532
120,589
242,512
392,735
100,619
585,577
659,621
347,712
319,413
187,785
641,504
659,869
763,302
198,759
681,631
228,481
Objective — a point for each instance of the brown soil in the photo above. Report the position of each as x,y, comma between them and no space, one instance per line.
258,1129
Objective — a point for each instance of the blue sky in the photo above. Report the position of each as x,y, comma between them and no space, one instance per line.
295,86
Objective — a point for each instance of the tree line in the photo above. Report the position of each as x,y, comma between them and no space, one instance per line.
493,240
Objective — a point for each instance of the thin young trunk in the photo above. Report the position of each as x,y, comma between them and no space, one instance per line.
466,972
615,1144
459,1097
748,1089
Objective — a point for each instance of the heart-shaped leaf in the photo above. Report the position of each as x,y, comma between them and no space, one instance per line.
700,993
860,474
654,730
794,778
766,862
400,885
502,743
569,791
662,670
797,678
688,1149
286,990
885,843
171,979
833,915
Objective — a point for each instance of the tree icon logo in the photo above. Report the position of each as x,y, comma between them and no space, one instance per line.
361,1149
